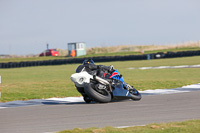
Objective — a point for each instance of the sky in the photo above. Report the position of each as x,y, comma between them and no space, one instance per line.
26,26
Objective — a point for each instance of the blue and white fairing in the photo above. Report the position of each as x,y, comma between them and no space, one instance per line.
120,88
116,75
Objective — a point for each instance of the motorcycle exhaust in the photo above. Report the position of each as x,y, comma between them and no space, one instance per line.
103,81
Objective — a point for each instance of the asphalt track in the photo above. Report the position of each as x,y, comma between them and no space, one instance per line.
57,117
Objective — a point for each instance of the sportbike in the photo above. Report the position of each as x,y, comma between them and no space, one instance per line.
102,89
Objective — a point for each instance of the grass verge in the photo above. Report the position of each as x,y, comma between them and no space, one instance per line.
54,81
191,126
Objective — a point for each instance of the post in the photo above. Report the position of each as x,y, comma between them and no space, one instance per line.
148,57
199,43
0,86
47,46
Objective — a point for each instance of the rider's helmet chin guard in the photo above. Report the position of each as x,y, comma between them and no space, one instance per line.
88,61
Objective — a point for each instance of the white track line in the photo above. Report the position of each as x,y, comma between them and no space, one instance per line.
166,67
161,91
67,99
192,86
129,126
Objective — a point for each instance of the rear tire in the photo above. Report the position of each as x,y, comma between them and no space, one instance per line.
92,92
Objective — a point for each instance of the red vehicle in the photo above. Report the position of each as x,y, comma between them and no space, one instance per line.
50,52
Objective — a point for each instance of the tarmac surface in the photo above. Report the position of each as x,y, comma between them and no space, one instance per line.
52,116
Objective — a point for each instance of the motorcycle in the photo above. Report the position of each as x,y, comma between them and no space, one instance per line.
102,89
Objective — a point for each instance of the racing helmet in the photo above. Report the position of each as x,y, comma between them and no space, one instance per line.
88,61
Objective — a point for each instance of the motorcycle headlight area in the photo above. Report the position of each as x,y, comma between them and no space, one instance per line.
81,80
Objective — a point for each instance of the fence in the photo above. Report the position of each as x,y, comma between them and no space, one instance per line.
100,59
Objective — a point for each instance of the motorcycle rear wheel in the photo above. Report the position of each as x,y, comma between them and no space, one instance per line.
102,96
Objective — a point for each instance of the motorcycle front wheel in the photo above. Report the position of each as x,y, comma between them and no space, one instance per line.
135,95
99,95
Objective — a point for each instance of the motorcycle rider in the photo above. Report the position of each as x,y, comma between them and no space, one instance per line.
101,70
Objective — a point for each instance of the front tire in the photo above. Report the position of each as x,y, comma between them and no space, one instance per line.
102,96
135,95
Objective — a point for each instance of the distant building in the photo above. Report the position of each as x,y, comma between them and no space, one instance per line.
76,49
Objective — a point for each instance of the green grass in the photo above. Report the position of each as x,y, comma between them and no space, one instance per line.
191,126
54,81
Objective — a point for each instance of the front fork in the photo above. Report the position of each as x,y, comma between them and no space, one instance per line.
126,86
